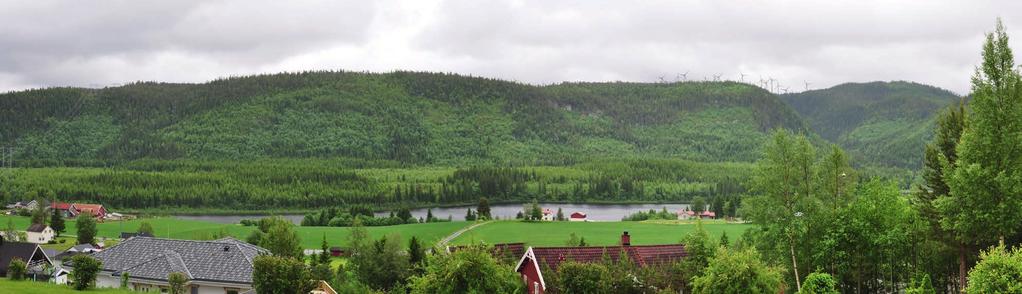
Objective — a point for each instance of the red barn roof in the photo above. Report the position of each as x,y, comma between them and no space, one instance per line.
60,205
536,258
578,214
96,210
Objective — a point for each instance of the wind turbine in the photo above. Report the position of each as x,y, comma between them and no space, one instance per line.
807,85
684,76
742,77
716,77
661,79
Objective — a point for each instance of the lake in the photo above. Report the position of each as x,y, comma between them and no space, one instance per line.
595,212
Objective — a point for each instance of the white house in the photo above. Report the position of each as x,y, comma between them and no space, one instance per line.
39,234
221,266
548,215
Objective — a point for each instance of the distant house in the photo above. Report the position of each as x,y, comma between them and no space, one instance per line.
77,250
96,210
219,266
126,235
688,214
39,234
64,209
548,215
537,258
338,251
33,255
577,216
29,205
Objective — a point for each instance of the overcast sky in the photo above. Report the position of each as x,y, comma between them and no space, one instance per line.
100,43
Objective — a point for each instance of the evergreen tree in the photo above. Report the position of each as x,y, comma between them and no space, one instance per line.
560,214
416,254
57,223
324,254
483,209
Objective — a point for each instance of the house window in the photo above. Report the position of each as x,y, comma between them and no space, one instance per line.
232,291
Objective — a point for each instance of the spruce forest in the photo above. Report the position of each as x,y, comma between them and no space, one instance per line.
301,140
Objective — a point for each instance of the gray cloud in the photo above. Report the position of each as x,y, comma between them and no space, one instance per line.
83,43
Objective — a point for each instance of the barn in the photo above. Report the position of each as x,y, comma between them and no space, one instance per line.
577,216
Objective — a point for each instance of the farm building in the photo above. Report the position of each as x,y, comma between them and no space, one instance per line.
688,214
96,210
535,258
577,216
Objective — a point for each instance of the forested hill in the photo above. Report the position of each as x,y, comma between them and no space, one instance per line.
879,123
401,117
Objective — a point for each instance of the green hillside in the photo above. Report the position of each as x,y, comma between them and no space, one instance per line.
403,117
879,123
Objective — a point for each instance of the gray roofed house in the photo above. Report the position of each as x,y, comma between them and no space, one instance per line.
30,253
222,266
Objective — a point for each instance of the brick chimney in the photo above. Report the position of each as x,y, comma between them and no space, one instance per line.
626,240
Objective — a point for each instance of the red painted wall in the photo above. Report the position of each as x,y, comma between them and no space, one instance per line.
531,277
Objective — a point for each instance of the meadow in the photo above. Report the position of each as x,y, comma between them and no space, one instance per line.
31,287
595,233
311,236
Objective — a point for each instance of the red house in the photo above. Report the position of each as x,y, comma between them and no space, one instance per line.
64,209
536,258
578,216
96,210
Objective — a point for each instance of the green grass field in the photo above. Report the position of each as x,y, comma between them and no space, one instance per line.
30,287
595,233
311,236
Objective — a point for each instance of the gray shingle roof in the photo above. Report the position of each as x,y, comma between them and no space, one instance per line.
36,228
224,260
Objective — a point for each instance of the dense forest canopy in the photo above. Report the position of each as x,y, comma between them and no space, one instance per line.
881,123
412,118
308,139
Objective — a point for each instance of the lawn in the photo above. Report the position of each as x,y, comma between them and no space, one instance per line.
311,236
30,287
595,233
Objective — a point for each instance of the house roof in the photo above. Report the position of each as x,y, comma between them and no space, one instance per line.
641,255
223,260
94,209
81,247
60,205
578,214
24,251
37,228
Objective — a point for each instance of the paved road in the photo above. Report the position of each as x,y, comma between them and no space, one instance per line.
443,242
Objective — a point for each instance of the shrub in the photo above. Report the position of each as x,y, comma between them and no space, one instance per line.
85,270
819,283
998,271
16,270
